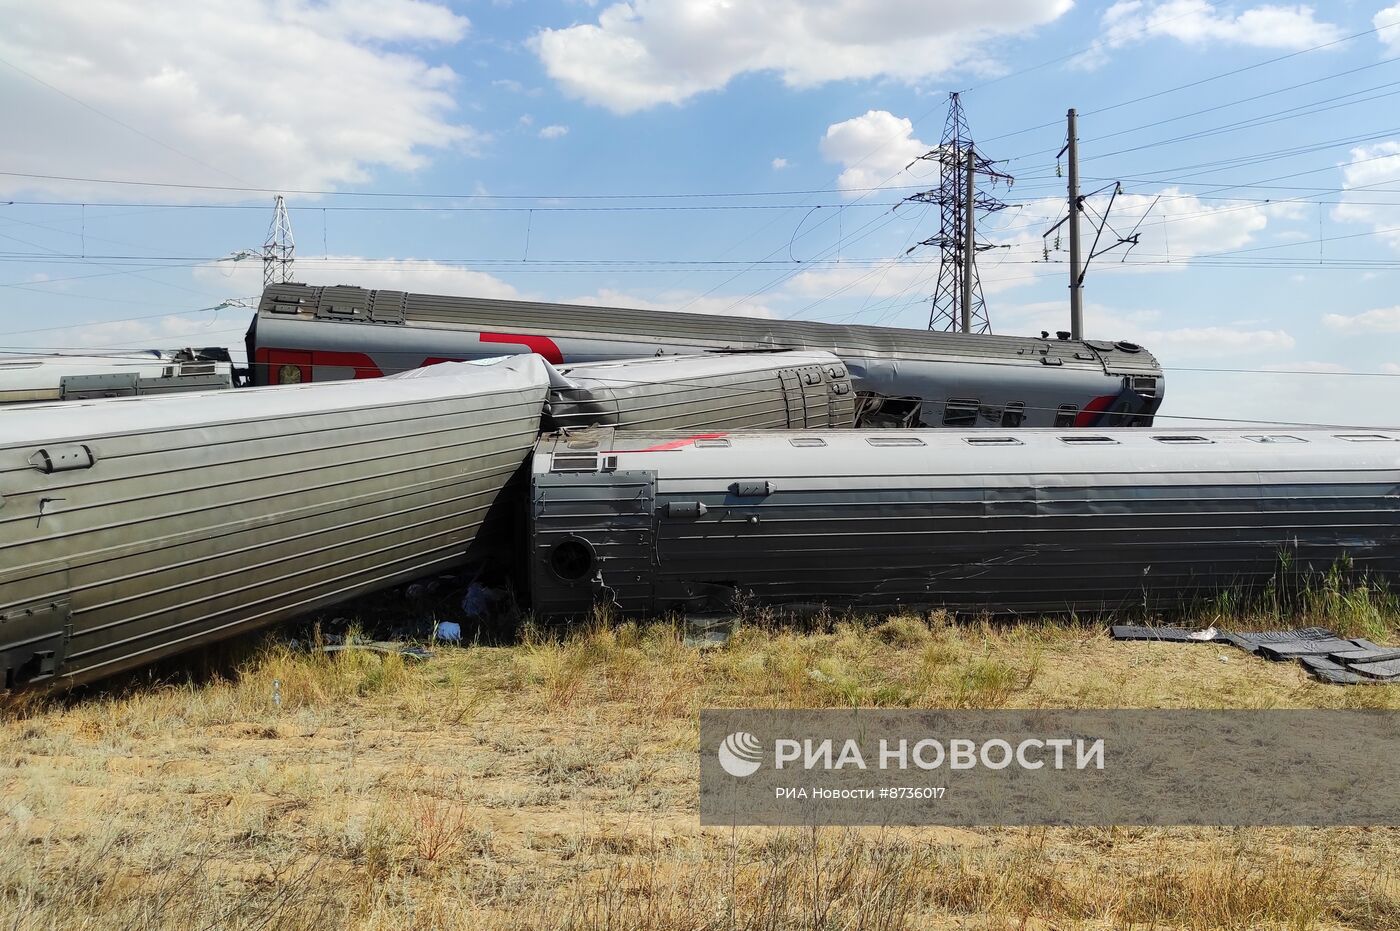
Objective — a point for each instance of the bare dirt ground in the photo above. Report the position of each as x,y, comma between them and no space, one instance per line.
552,784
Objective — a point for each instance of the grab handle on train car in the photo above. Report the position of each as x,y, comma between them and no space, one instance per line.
752,489
62,458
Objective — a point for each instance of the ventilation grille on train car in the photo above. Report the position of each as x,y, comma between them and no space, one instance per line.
1144,385
582,462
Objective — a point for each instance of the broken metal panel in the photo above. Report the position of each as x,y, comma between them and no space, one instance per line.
1038,526
203,515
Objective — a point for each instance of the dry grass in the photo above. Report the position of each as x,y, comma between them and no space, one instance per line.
552,784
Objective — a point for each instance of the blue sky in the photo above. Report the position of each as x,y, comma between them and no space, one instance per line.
497,125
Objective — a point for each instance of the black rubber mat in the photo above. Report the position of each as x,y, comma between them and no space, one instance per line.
1253,640
1292,649
1327,670
1165,634
1384,669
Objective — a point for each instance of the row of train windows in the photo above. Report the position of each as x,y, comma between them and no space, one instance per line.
1087,439
965,412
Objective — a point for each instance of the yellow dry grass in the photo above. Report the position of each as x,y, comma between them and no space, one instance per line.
552,784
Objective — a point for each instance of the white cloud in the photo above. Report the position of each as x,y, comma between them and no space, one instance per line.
1174,225
642,53
779,164
202,329
872,149
553,131
515,87
1171,344
1197,22
287,94
684,301
1376,168
1389,17
420,275
1380,320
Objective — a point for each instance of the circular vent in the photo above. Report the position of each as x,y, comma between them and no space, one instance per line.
572,560
1127,346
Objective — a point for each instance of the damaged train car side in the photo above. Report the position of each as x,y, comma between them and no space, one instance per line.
1036,521
135,528
905,378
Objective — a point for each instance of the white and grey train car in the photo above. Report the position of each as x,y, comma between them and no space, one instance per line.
1034,521
725,391
904,377
72,377
135,528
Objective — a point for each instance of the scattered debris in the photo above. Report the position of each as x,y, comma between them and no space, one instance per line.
1328,657
448,632
707,633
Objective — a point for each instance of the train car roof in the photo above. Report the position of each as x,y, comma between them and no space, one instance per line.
74,420
976,453
292,301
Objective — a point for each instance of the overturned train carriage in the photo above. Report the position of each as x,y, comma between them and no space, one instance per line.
904,377
1037,521
140,527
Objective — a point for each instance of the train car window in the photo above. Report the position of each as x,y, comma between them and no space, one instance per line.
1014,415
1365,437
1089,440
711,443
894,441
961,412
991,441
1182,439
1064,417
807,441
1273,438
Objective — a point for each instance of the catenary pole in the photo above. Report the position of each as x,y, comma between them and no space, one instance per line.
969,242
1076,280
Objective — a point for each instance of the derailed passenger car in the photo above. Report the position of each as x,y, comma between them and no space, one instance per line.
142,527
1036,521
905,377
136,528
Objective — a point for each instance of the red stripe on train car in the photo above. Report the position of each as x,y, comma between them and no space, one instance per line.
540,345
363,365
270,362
1086,418
672,444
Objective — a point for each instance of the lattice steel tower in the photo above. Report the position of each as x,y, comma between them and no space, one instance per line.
279,252
958,304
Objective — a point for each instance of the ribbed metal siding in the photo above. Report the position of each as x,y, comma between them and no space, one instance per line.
1148,524
1033,548
177,538
811,397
